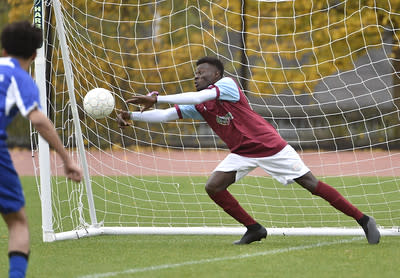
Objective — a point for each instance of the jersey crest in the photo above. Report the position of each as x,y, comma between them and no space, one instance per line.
224,120
244,131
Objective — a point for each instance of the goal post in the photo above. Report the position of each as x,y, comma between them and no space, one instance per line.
324,74
44,154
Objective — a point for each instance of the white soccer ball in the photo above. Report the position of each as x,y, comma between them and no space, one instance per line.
98,103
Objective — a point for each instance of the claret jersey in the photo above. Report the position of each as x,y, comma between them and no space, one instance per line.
230,116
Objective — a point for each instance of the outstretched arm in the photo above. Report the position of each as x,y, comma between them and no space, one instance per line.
159,115
189,98
184,98
153,116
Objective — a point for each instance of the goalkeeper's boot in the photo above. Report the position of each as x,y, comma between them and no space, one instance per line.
252,235
371,231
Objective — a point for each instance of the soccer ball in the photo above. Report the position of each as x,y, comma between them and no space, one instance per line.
98,103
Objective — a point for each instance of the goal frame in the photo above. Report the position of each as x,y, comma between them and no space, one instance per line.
95,228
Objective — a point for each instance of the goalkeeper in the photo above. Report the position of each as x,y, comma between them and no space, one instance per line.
19,93
253,142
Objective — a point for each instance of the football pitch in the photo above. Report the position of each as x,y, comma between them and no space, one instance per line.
200,256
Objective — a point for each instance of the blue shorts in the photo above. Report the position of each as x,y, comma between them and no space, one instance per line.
11,194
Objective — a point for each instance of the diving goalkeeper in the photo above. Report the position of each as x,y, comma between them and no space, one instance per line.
253,142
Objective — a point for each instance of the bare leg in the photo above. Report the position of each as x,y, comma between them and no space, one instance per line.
308,181
18,231
219,181
18,242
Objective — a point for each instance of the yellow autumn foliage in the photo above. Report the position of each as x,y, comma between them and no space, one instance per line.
113,43
133,47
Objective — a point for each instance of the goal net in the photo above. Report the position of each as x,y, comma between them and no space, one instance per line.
324,73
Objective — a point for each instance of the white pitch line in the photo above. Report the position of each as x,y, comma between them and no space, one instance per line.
204,261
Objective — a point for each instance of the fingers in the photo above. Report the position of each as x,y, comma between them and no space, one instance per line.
121,119
134,100
145,107
146,103
145,100
123,125
73,172
119,111
75,176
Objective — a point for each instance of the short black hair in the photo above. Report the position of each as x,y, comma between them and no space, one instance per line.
212,61
21,39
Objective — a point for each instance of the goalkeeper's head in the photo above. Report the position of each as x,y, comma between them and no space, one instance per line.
21,39
209,70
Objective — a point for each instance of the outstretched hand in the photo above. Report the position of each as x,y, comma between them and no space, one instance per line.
145,101
123,118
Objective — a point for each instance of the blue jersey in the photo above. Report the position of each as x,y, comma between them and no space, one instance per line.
18,92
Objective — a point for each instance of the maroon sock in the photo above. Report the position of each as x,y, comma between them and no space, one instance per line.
231,206
331,195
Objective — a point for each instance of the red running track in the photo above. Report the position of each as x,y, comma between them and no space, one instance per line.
362,163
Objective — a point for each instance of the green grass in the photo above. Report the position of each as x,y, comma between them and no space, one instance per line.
206,256
182,201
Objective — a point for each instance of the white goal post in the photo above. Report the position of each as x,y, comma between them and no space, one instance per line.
324,73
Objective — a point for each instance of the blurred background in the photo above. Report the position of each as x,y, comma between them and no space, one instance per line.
325,74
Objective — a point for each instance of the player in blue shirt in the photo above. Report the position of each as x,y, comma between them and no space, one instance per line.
19,93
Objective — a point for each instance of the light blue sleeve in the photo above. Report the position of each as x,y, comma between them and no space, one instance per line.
228,89
190,112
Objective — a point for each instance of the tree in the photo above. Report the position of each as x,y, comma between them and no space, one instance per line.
294,44
135,47
10,11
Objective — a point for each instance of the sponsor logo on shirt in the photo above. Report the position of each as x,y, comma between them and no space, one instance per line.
224,120
1,77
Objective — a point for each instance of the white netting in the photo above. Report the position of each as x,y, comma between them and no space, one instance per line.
325,73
